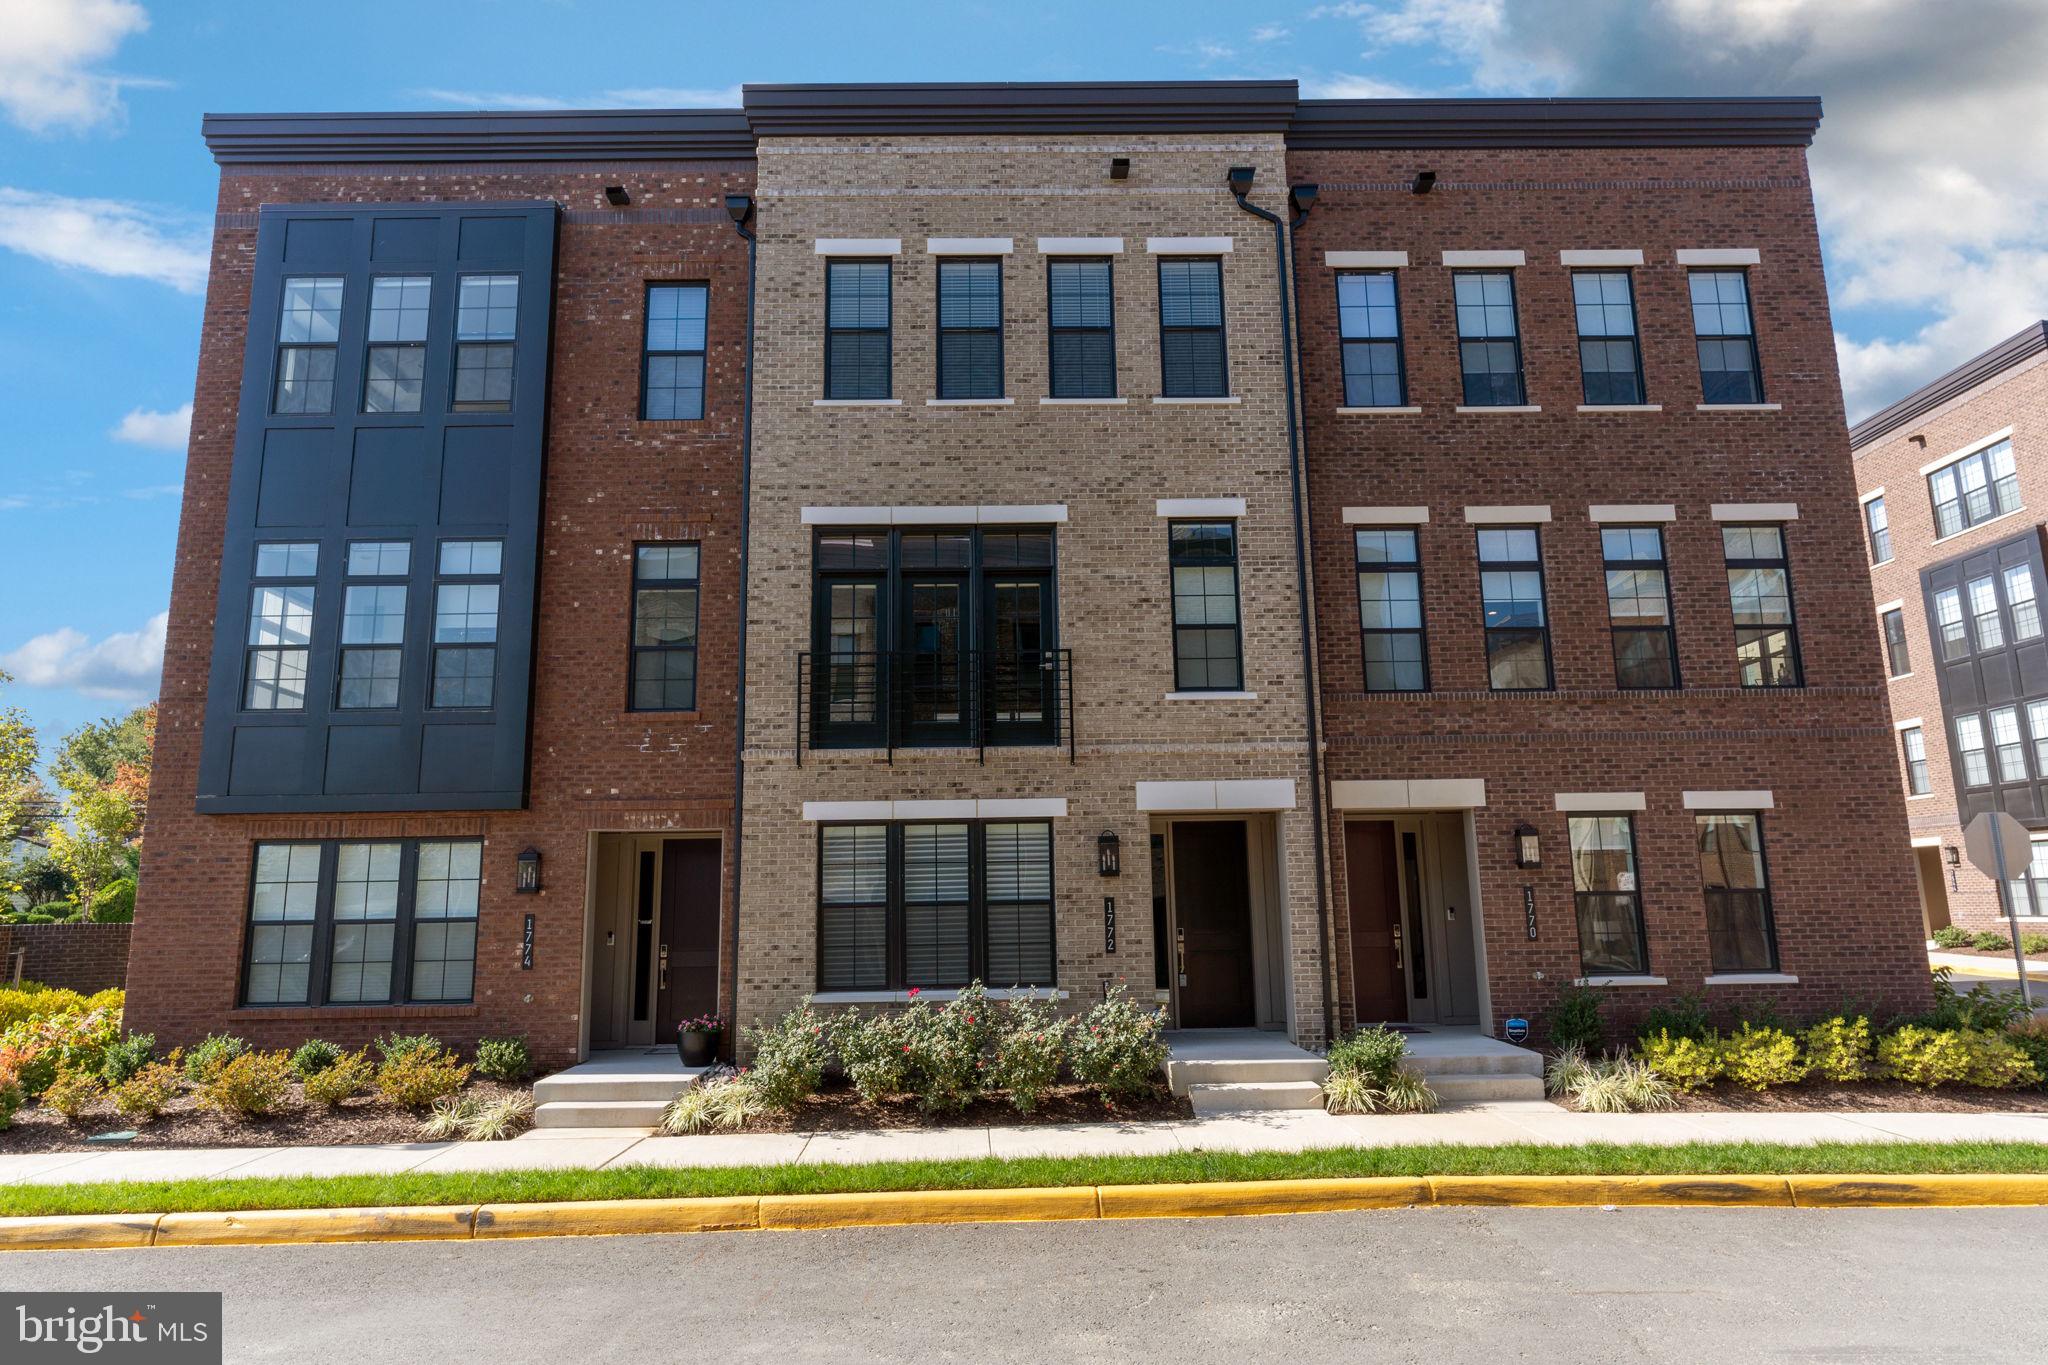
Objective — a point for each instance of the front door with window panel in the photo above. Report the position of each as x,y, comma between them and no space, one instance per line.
1212,906
1411,905
686,951
931,687
1378,952
1019,677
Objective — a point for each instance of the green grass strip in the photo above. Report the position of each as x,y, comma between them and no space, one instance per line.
651,1182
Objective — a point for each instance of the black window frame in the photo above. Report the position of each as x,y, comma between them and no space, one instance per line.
1791,623
1635,896
944,380
1521,393
1919,778
1880,537
1054,331
1634,338
1897,652
259,582
1345,341
1491,632
1220,329
282,350
1724,897
1995,487
1723,339
1661,566
437,647
639,584
1176,560
415,347
887,329
649,353
1411,567
895,975
488,343
345,650
320,952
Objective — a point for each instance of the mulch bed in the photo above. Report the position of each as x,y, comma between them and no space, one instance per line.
838,1109
1875,1097
364,1119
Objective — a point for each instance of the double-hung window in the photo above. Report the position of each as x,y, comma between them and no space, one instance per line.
1192,353
1610,356
1877,524
1970,744
1948,619
935,905
857,329
466,623
1985,622
280,626
1081,307
1369,329
1913,745
665,627
395,366
1609,901
970,329
486,342
373,624
1982,485
1760,594
1897,658
1517,625
1639,606
1740,934
1489,339
2030,892
2008,743
362,922
1726,336
1390,610
2020,601
2037,726
1208,644
672,358
308,328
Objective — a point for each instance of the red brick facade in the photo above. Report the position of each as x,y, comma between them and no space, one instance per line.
79,957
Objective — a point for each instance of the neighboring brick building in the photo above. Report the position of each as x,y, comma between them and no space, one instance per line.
1025,578
1951,480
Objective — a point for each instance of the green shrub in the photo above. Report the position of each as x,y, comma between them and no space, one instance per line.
148,1092
346,1077
1373,1055
1684,1017
1688,1063
51,912
2031,944
503,1059
1997,1062
2030,1035
123,1059
1574,1021
1759,1058
946,1046
29,1001
253,1084
1990,941
789,1058
1838,1049
417,1076
1029,1049
1980,1008
1951,936
115,903
1924,1056
1117,1048
873,1053
314,1056
215,1051
712,1106
73,1092
393,1046
11,1100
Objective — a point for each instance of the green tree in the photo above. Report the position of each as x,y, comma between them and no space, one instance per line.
95,753
20,788
91,842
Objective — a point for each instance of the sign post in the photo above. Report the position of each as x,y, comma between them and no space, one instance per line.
2000,848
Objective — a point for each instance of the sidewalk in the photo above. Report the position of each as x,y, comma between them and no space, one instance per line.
1486,1125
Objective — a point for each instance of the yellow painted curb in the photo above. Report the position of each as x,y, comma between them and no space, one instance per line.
77,1231
1579,1191
262,1227
1262,1196
604,1217
1922,1191
793,1211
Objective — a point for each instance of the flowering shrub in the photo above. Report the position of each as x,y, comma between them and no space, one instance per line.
789,1058
35,1050
1996,1062
1029,1048
703,1023
254,1085
73,1092
1117,1047
348,1075
945,1048
147,1093
1687,1063
1923,1056
1758,1058
1838,1049
416,1077
2030,1035
873,1052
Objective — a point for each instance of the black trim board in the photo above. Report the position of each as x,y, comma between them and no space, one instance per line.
2008,354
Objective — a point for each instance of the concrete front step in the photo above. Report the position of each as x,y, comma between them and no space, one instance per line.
1183,1075
569,1087
1486,1064
637,1114
1468,1089
1229,1097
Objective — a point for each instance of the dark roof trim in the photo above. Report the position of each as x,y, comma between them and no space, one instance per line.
461,135
1972,373
1335,124
1037,107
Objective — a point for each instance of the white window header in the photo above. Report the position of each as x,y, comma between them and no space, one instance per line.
1752,800
1898,604
1026,808
1620,256
1418,793
987,515
1739,255
1599,801
1755,511
1872,496
858,246
969,246
1507,516
1385,516
1365,260
1971,449
1080,246
1483,258
1276,793
1632,511
1189,246
1913,724
1198,507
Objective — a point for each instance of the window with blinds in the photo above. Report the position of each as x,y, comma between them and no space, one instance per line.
1192,363
970,329
1082,311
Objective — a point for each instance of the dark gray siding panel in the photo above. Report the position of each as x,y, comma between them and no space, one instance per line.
2013,674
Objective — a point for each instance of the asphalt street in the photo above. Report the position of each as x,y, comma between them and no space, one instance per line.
1435,1285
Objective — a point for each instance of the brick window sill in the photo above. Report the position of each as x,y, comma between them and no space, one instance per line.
1621,407
1196,402
1738,407
1752,979
1620,981
1378,412
1502,407
856,402
310,1013
905,997
648,717
969,402
1212,696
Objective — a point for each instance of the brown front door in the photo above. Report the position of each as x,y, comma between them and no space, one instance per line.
1373,881
686,958
1212,901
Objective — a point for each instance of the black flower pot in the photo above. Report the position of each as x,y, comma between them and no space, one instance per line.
697,1047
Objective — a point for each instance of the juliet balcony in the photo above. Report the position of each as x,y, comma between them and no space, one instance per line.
941,699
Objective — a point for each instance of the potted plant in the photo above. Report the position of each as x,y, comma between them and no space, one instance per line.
697,1039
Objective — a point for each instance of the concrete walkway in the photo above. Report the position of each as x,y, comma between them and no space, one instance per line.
1485,1125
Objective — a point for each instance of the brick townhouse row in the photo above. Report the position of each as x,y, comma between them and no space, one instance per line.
1306,561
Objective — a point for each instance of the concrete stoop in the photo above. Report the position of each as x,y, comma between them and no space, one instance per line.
612,1090
1227,1070
1465,1068
1230,1097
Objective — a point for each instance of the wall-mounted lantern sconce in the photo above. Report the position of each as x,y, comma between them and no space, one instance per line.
1528,846
1109,858
526,880
1954,856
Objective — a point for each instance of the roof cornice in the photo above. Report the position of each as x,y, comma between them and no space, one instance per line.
1020,107
462,135
1787,121
1973,373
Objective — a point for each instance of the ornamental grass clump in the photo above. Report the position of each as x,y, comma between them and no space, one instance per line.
723,1104
1367,1076
449,1116
1029,1049
416,1077
873,1053
1565,1072
1621,1085
346,1077
499,1119
1839,1049
789,1058
253,1085
1118,1049
1759,1058
1688,1063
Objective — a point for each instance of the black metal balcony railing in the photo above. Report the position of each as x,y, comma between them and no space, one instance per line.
976,699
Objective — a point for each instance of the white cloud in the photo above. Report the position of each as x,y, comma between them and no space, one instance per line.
1271,33
104,236
1340,86
124,666
631,97
50,74
159,430
154,491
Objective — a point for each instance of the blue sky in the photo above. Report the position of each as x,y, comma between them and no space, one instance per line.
1931,173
